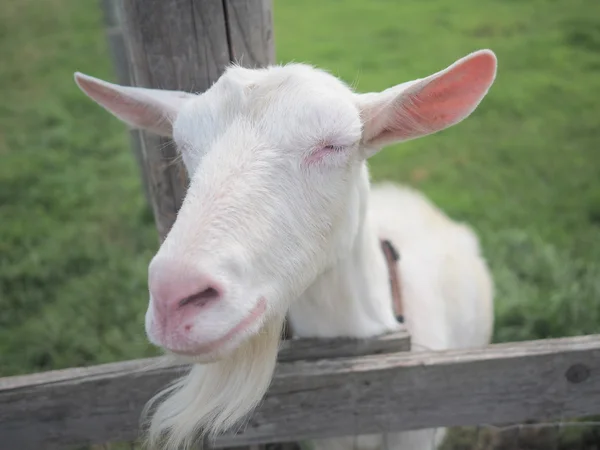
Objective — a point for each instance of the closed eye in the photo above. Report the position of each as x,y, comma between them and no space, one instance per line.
335,148
329,152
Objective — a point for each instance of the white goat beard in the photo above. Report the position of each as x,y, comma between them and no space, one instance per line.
213,398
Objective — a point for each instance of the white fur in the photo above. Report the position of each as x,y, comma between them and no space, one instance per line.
447,293
280,210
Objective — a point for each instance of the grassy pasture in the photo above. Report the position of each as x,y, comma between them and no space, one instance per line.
76,235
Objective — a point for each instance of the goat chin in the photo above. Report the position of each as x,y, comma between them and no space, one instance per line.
214,398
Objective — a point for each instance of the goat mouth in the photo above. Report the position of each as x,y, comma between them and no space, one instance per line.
215,346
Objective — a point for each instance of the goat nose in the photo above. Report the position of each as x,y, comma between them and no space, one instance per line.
178,285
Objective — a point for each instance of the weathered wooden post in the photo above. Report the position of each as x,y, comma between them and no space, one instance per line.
184,45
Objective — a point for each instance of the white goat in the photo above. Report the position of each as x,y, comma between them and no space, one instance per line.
279,217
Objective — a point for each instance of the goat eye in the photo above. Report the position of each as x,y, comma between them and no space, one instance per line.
329,154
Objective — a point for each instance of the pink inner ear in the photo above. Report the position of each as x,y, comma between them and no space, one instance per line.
443,100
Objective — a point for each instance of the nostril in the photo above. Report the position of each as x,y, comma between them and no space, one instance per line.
200,298
179,284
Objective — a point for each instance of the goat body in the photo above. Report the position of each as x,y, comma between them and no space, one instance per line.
446,287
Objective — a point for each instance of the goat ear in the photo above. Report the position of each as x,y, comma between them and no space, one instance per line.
427,105
150,109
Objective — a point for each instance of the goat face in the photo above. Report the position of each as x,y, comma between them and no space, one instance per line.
273,156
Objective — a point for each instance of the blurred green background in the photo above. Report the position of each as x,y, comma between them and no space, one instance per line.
76,234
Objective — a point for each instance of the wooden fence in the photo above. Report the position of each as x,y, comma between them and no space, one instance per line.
321,388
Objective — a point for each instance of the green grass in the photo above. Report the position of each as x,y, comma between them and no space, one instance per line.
76,235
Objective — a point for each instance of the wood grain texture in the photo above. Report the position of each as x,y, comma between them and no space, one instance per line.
538,380
312,349
179,45
250,32
185,45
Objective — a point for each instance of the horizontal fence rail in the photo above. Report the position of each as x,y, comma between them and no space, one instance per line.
321,395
